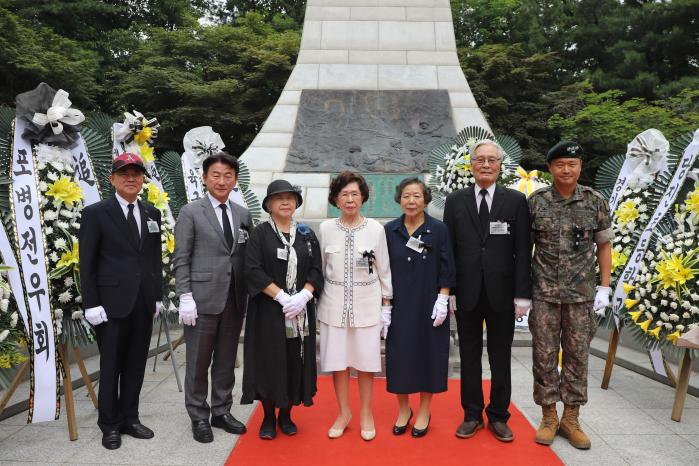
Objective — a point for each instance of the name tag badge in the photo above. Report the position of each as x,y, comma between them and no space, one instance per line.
282,254
362,262
243,236
152,226
499,228
414,244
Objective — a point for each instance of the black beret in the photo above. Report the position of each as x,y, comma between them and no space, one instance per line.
565,150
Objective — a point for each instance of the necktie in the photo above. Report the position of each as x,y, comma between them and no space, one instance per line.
484,213
227,232
131,221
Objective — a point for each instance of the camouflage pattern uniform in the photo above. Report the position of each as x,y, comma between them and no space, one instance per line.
564,232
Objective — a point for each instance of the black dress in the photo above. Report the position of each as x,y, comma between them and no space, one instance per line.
417,353
274,368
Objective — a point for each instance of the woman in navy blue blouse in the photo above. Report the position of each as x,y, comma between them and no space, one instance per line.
417,346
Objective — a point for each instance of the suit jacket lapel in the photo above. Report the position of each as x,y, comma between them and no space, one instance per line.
119,219
213,220
144,224
498,201
236,225
471,208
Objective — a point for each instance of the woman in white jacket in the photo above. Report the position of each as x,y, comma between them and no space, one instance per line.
355,307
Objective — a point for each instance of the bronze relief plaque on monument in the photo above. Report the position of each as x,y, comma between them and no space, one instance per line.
369,131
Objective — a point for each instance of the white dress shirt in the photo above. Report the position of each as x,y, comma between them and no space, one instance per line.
124,204
219,215
488,197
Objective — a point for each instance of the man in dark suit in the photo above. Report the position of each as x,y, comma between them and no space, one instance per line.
489,227
210,238
121,281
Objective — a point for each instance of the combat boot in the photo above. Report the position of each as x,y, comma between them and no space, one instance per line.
549,425
570,428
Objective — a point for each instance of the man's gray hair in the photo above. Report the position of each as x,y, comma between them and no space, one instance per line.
490,142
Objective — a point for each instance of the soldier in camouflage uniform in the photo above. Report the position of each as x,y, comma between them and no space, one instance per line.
568,220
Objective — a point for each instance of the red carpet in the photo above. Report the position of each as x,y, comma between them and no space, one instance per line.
311,446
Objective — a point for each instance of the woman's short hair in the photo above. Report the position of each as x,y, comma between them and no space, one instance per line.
426,191
221,157
343,179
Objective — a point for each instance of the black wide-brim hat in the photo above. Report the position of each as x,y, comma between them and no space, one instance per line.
282,186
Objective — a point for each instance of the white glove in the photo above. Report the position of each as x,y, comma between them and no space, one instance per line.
187,310
158,308
96,315
601,300
297,303
522,307
440,310
385,319
282,298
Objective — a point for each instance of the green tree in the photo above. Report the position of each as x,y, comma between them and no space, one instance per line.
510,87
225,76
31,53
603,123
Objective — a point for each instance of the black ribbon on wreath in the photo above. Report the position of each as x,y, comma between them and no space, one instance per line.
370,257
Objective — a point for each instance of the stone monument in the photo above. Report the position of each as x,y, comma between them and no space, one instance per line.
376,86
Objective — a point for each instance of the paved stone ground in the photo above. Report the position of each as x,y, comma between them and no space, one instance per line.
628,424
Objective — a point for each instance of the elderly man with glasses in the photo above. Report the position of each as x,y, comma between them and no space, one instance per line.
489,227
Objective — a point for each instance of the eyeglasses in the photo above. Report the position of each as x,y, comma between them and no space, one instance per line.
350,195
483,161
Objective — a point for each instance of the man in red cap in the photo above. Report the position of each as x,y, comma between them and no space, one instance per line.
121,284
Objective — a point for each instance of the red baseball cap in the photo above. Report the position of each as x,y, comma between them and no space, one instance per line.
125,159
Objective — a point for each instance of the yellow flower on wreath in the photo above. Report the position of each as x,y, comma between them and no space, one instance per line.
157,197
65,190
70,258
692,202
5,361
627,212
144,135
674,270
170,243
146,153
673,337
618,259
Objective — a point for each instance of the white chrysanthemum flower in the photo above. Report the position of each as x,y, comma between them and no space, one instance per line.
677,251
76,315
642,208
642,292
648,315
52,176
695,297
625,239
4,305
57,165
3,335
670,244
63,225
65,297
50,215
40,165
75,225
48,231
673,305
654,309
694,310
641,307
686,315
78,299
60,243
667,325
688,242
172,282
685,304
53,257
664,316
674,317
680,327
58,314
68,281
166,260
43,186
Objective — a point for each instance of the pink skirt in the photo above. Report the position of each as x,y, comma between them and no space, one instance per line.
343,347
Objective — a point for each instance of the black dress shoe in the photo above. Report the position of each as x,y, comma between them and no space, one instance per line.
268,429
228,423
111,440
137,430
501,431
421,432
468,429
400,430
288,427
202,431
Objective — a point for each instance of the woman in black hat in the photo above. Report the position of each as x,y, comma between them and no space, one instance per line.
284,274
